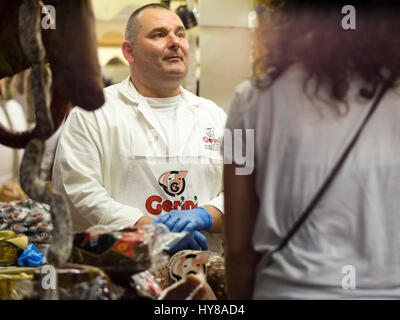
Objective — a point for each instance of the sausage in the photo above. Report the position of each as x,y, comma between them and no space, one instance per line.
59,108
41,191
7,6
12,59
29,24
73,59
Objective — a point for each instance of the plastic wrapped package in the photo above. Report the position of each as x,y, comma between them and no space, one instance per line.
123,253
8,254
120,254
146,285
117,254
27,217
10,288
11,191
160,241
80,282
31,257
15,283
74,282
126,256
11,246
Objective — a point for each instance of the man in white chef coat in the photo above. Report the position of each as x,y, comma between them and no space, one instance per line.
153,152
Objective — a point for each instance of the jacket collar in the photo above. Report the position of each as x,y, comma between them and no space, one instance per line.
128,90
185,117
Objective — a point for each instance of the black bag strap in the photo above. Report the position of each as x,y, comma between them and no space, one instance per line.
324,187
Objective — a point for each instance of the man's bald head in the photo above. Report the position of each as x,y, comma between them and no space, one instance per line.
133,25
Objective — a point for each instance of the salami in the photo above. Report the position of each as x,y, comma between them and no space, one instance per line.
191,287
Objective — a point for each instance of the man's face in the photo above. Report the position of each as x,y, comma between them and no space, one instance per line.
160,48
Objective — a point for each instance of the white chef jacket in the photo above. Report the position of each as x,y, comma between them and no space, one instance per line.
109,162
349,245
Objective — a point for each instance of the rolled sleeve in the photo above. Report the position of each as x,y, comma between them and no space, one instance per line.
217,202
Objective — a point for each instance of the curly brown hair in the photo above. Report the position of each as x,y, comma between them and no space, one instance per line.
311,33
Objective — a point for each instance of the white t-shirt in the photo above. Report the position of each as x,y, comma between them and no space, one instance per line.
8,156
165,110
352,237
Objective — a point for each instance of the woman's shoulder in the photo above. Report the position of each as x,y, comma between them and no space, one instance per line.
262,87
254,99
249,97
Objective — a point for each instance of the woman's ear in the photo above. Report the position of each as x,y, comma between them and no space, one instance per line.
127,50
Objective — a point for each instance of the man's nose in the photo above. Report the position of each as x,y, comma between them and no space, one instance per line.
174,41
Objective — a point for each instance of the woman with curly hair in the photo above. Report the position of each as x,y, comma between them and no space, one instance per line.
310,93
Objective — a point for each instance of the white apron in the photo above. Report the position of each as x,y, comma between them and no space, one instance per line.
181,174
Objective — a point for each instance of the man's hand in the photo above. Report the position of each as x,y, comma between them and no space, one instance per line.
187,220
193,241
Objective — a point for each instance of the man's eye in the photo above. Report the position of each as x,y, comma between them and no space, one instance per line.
158,35
181,35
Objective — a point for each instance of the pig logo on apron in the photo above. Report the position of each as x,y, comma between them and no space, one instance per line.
173,182
209,132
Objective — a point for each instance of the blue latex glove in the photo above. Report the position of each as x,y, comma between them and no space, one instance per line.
31,257
186,220
194,241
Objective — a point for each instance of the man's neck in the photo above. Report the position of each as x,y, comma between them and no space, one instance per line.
156,92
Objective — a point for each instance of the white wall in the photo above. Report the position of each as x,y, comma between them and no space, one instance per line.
225,48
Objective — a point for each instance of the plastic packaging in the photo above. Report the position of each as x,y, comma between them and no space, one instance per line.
27,217
31,257
146,285
124,252
119,253
11,246
16,283
10,191
73,282
79,282
12,286
161,240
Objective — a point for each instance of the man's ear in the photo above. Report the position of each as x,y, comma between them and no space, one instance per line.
127,50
